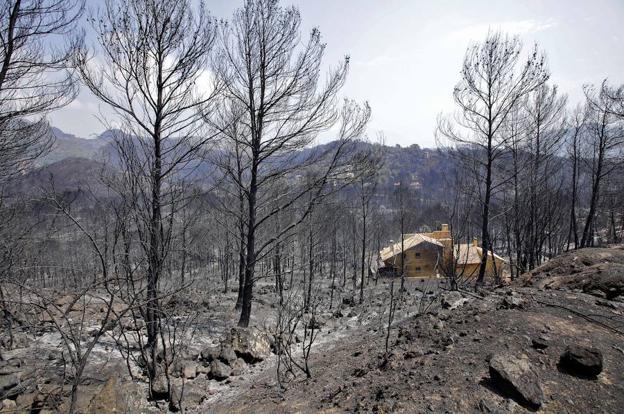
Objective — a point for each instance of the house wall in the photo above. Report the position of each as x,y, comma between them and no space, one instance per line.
444,236
419,262
472,270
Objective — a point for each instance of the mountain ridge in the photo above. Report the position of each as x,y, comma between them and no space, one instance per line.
422,170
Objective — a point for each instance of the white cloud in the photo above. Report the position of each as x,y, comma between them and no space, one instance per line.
519,27
80,104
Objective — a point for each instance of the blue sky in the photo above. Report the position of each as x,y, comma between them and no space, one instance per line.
406,54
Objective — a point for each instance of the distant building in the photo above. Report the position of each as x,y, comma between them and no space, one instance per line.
428,255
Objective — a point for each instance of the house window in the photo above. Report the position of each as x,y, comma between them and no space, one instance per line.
417,254
418,269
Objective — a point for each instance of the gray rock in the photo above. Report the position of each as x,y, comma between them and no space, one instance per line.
203,369
227,355
160,387
210,354
249,344
238,367
219,371
516,377
8,381
512,301
189,371
540,343
581,361
453,300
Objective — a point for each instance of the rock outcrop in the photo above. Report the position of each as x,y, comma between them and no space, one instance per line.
249,344
219,370
514,376
581,361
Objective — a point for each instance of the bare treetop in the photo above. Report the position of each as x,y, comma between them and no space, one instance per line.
493,80
159,51
268,68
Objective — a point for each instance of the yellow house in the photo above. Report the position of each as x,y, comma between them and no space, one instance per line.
421,256
468,261
434,254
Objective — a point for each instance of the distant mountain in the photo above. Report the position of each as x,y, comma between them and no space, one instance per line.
70,146
77,162
64,176
423,171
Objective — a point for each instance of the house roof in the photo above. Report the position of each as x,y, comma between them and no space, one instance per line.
471,254
408,242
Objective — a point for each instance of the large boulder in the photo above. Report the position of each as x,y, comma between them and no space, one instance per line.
210,353
189,370
8,406
581,361
512,300
228,355
160,387
219,371
8,382
453,300
515,377
249,344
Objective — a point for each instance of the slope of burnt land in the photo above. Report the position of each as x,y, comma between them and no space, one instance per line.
597,271
440,361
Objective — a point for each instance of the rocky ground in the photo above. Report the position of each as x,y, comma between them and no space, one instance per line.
217,362
551,342
513,349
444,361
598,271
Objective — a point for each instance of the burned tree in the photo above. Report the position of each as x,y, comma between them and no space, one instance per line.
34,79
537,130
606,141
276,81
577,126
493,81
368,165
154,54
37,40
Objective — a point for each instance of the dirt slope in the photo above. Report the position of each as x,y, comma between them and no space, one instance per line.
439,361
597,271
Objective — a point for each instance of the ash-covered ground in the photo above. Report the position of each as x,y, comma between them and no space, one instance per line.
550,342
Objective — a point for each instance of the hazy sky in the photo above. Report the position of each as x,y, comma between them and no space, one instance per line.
406,54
